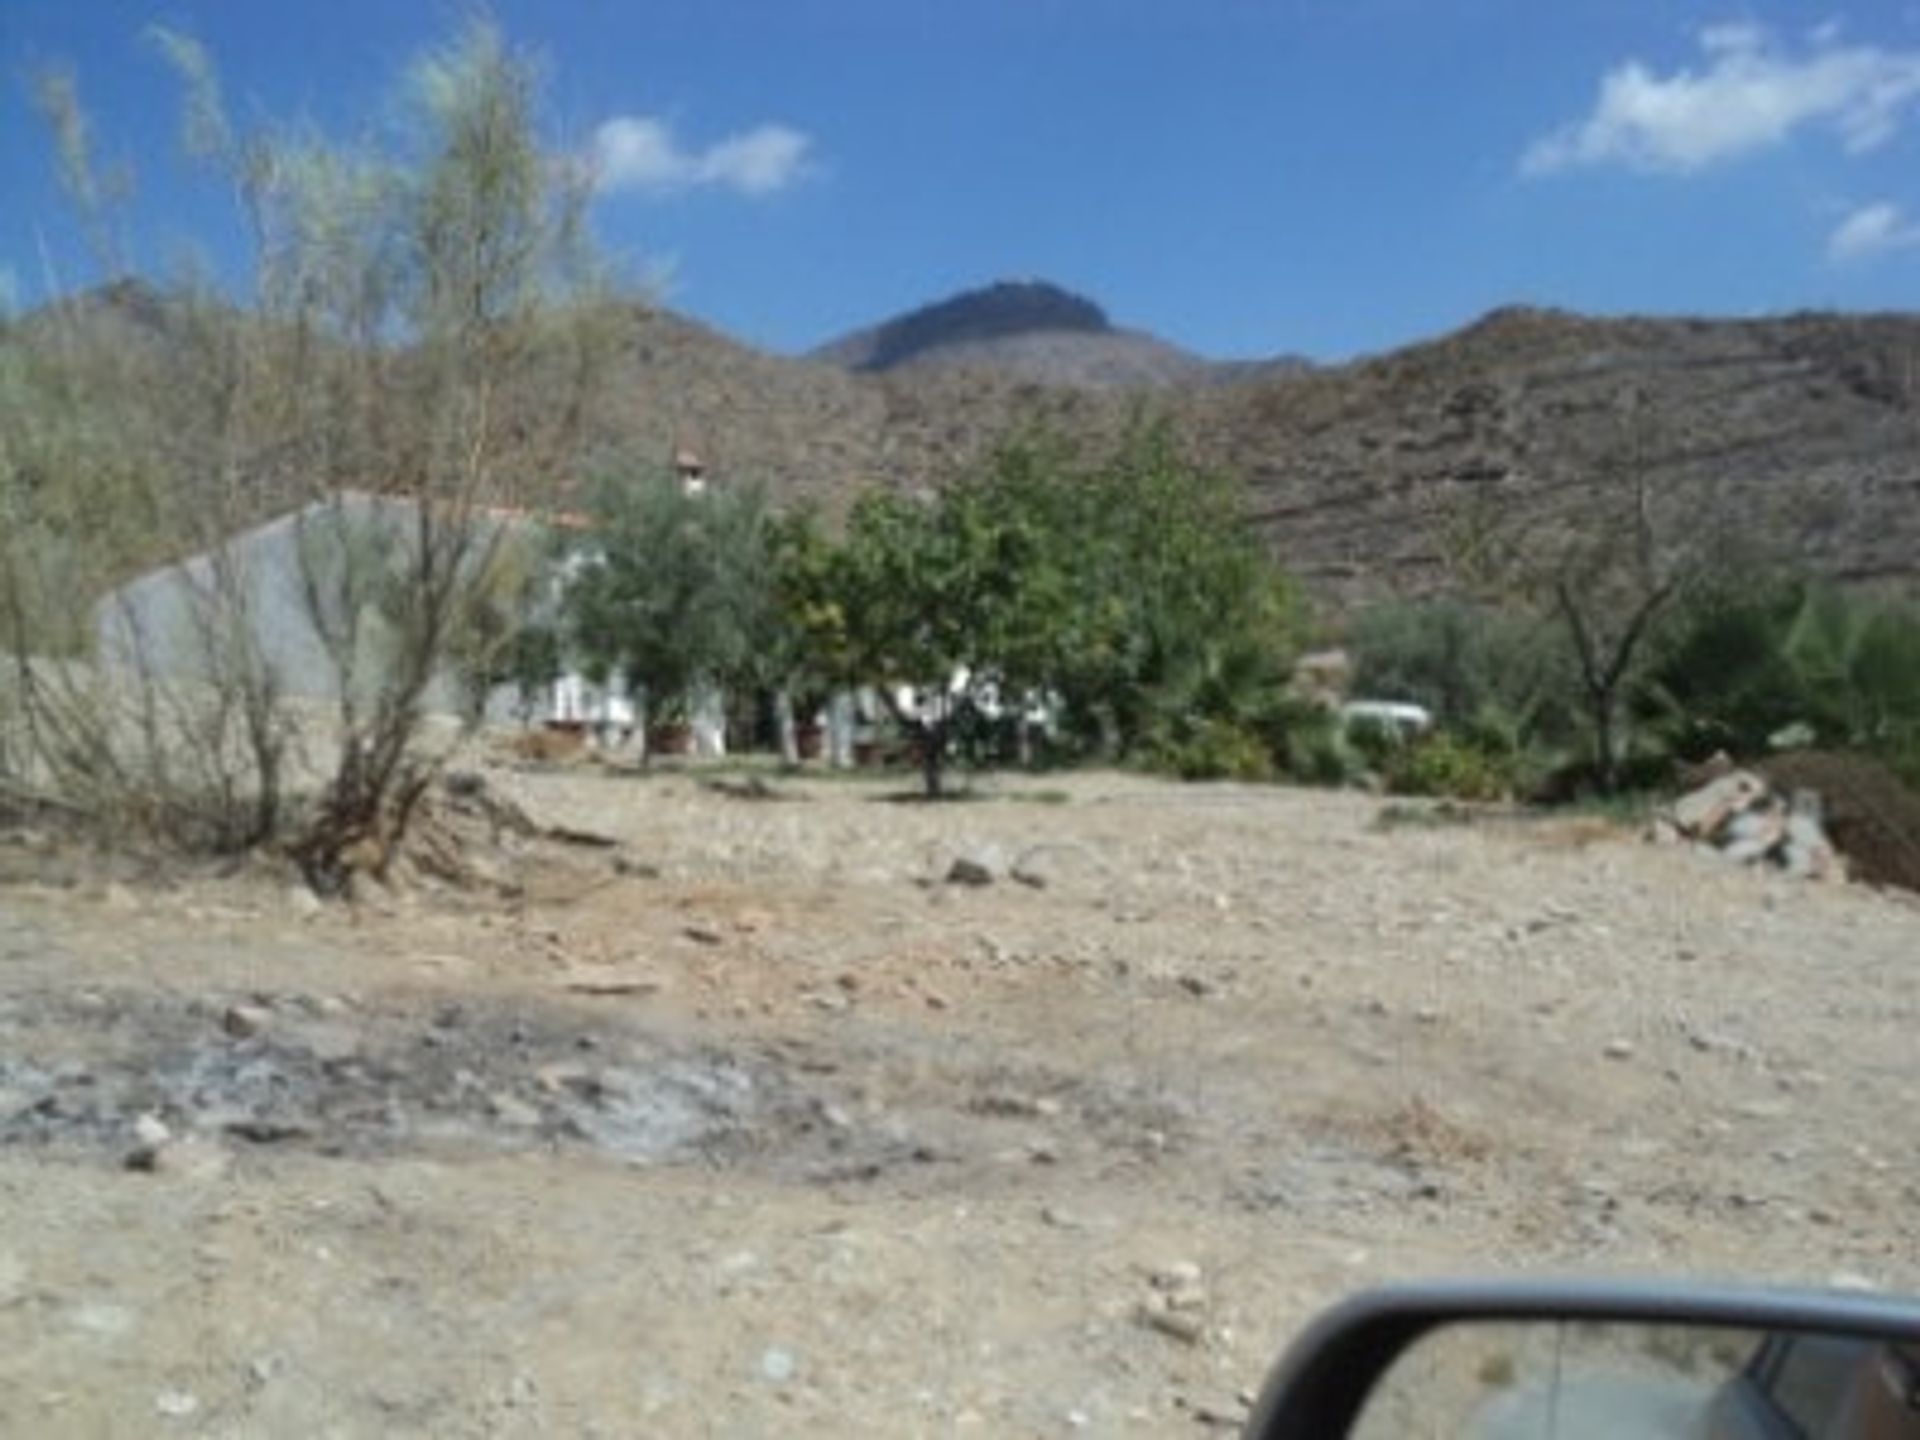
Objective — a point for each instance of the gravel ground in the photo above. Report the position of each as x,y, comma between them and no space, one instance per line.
759,1124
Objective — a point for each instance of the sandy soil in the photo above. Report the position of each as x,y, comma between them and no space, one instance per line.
760,1126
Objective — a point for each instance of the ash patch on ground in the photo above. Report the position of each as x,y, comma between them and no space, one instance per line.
80,1071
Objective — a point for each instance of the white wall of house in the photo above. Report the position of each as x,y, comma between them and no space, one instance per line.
161,623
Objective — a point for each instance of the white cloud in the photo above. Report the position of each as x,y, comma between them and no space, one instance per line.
1752,93
640,152
1872,230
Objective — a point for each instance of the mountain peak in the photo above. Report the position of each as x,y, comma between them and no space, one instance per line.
1001,310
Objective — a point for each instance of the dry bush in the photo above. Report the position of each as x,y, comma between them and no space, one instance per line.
411,365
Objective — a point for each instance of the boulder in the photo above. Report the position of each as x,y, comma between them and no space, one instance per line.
1703,812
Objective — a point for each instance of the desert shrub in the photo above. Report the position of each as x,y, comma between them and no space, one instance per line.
1309,744
1451,766
1377,743
401,291
1208,749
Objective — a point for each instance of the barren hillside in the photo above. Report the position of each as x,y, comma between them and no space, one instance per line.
1801,431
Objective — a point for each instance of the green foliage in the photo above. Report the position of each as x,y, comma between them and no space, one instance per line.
674,589
1128,589
1163,605
1451,766
1205,748
942,595
1751,665
1469,664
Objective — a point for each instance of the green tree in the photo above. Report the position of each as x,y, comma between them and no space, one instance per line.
1752,662
1128,590
1477,668
1164,611
675,589
938,603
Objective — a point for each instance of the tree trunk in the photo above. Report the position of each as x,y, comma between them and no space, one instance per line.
1606,760
933,746
789,733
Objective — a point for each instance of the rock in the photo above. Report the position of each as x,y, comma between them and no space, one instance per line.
176,1404
1753,835
1228,1412
1704,811
973,870
777,1366
303,902
151,1131
1808,853
703,935
611,983
1619,1050
1184,1325
463,784
158,1152
1175,1304
511,1110
1180,1275
193,1157
563,1078
243,1022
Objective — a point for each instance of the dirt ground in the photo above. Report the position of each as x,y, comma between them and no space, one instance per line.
757,1124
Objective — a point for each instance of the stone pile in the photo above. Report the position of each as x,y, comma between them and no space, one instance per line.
1744,818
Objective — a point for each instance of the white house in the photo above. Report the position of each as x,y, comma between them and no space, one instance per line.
163,622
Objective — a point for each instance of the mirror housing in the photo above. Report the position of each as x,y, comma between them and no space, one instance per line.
1321,1385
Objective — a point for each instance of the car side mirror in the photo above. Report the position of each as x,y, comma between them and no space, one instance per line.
1579,1360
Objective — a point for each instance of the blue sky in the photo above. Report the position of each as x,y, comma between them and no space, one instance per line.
1244,177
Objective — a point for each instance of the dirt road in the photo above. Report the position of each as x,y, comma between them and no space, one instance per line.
761,1125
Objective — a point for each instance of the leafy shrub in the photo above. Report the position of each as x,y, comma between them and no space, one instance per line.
1308,743
1837,668
1467,663
1450,765
1208,749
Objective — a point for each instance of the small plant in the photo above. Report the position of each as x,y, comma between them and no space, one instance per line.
1449,765
1311,745
1206,749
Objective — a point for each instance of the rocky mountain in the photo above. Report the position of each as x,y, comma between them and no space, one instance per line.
1802,431
1034,331
1799,436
